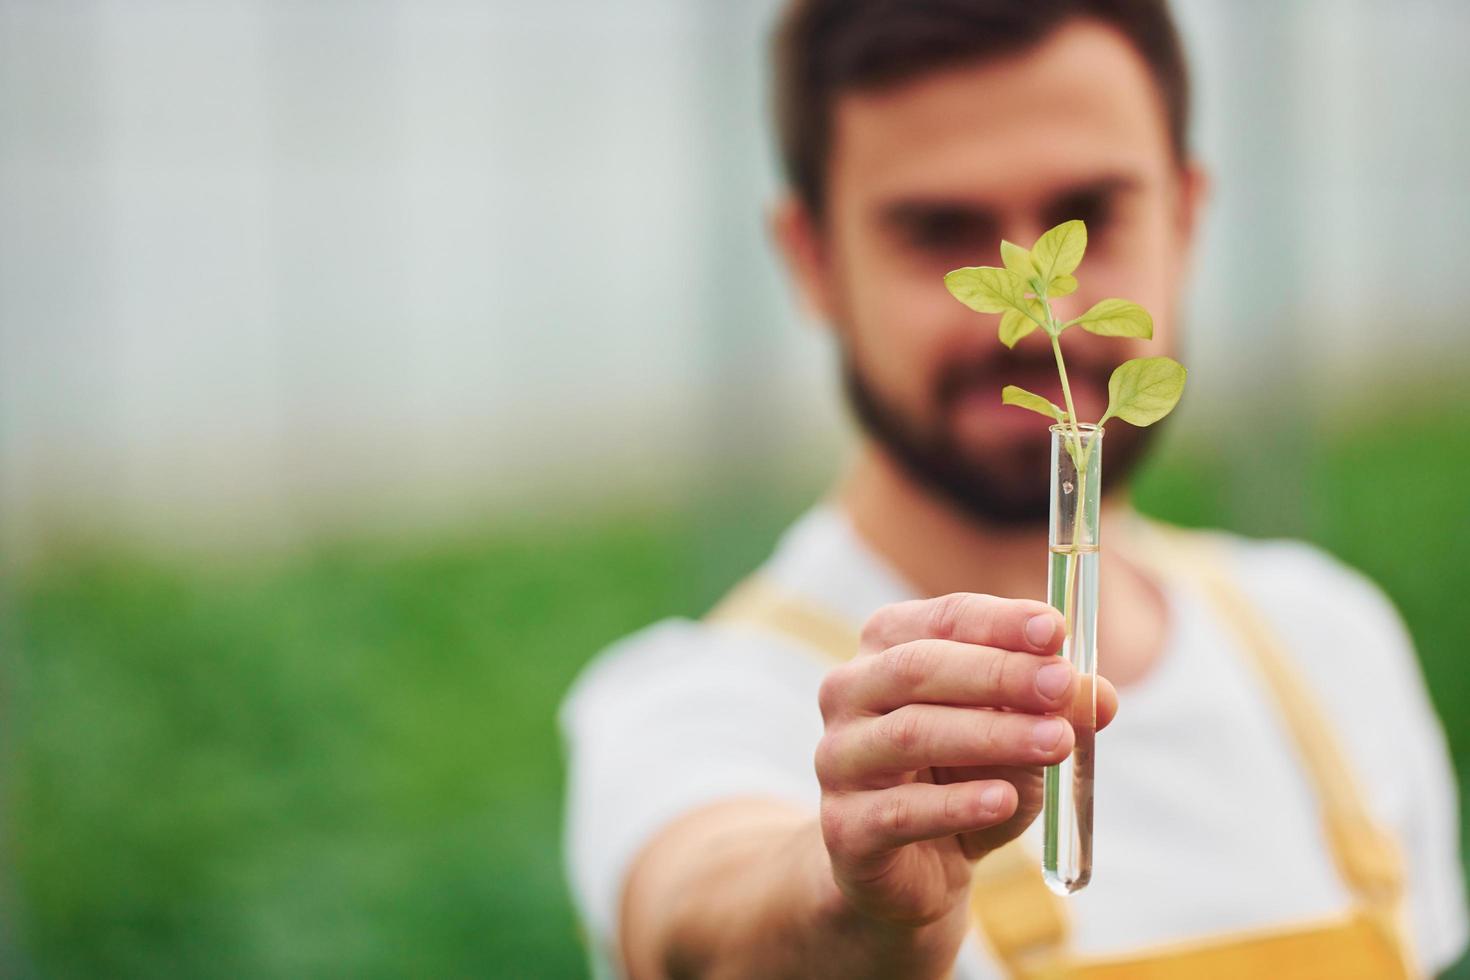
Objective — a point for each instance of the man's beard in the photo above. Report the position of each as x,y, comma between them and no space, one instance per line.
1011,486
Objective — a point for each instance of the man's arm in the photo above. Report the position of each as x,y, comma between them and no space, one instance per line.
920,776
745,889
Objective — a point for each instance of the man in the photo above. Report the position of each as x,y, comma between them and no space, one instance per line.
1233,838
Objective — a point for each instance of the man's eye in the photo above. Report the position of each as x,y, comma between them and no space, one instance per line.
940,233
1096,212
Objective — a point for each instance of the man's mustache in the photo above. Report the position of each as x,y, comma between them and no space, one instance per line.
964,375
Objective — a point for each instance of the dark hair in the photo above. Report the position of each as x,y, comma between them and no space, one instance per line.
826,47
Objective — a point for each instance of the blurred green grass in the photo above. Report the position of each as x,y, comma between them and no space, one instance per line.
345,762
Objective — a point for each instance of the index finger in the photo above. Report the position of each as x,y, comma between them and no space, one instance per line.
1024,625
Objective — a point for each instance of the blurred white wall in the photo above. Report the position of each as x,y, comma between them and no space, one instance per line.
268,267
1336,131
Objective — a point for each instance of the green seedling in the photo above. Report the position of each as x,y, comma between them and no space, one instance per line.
1141,391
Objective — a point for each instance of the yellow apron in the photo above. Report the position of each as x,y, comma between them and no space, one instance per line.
1025,924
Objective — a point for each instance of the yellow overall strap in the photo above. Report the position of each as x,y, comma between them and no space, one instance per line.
1368,941
756,602
1344,947
1368,858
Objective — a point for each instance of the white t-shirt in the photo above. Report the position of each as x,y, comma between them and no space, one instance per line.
1204,819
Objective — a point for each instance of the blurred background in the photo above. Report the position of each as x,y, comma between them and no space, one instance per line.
366,366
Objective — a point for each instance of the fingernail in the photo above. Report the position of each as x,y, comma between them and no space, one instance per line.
1047,734
1054,679
1040,629
992,798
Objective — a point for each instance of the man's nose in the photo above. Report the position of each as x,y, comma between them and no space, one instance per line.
1065,308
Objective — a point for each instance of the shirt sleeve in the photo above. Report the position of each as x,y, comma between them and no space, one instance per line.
673,718
1374,690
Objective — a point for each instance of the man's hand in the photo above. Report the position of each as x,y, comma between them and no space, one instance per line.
936,735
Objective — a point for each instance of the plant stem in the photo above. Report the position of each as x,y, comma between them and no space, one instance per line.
1079,459
1056,347
1053,331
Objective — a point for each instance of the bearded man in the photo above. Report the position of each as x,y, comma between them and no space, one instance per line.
837,773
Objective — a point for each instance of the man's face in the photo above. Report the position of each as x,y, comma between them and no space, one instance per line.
930,176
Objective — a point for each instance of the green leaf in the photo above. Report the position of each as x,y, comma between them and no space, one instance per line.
986,289
1014,324
1058,252
1116,318
1062,286
1017,260
1144,390
1021,398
